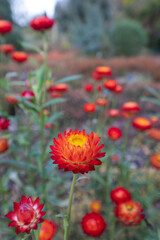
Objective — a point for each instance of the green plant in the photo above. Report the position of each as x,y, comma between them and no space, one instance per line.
128,38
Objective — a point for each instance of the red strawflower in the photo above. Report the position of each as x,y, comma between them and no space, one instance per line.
4,123
96,76
102,101
27,214
114,133
154,119
19,57
88,87
114,113
48,230
96,206
89,107
28,94
129,109
3,145
129,213
154,133
41,23
99,87
120,195
77,151
5,26
55,94
6,48
118,89
155,161
141,123
60,87
93,224
104,71
110,84
11,99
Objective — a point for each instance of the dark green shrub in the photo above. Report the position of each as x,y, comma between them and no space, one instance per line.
128,38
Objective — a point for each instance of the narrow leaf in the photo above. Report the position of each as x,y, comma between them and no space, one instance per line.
68,79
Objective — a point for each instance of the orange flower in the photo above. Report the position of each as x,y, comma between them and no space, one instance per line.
96,206
141,123
6,48
11,99
3,145
104,71
48,230
155,160
129,109
19,57
77,151
118,89
46,112
89,107
129,213
154,133
102,101
114,133
110,84
114,113
5,26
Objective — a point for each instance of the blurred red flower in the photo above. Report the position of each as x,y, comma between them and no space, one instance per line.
3,145
118,89
5,26
4,123
120,195
28,94
114,133
129,109
110,84
154,133
19,57
93,224
11,99
102,101
6,48
88,87
27,214
41,23
99,87
141,123
103,71
155,161
96,76
77,151
114,113
89,107
48,230
129,213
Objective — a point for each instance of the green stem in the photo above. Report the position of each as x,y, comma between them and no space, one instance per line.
114,103
158,232
124,146
100,125
67,218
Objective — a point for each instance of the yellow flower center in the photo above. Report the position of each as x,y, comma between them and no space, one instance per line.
142,121
77,140
158,157
129,207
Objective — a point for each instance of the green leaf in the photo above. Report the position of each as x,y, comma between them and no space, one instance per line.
17,83
84,177
27,103
54,117
152,91
150,99
61,215
36,232
30,46
68,79
54,101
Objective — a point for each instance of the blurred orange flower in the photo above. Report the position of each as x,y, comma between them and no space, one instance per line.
141,123
155,161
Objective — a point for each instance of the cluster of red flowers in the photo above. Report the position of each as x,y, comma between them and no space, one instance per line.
4,124
127,211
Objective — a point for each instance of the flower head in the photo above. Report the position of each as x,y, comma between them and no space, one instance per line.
88,87
110,84
19,57
77,151
96,76
104,71
27,214
129,109
155,161
141,123
3,145
154,133
96,206
120,195
41,23
114,133
60,87
154,119
129,213
11,99
99,87
28,94
4,123
89,107
5,26
114,113
6,48
48,230
118,89
93,224
102,102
